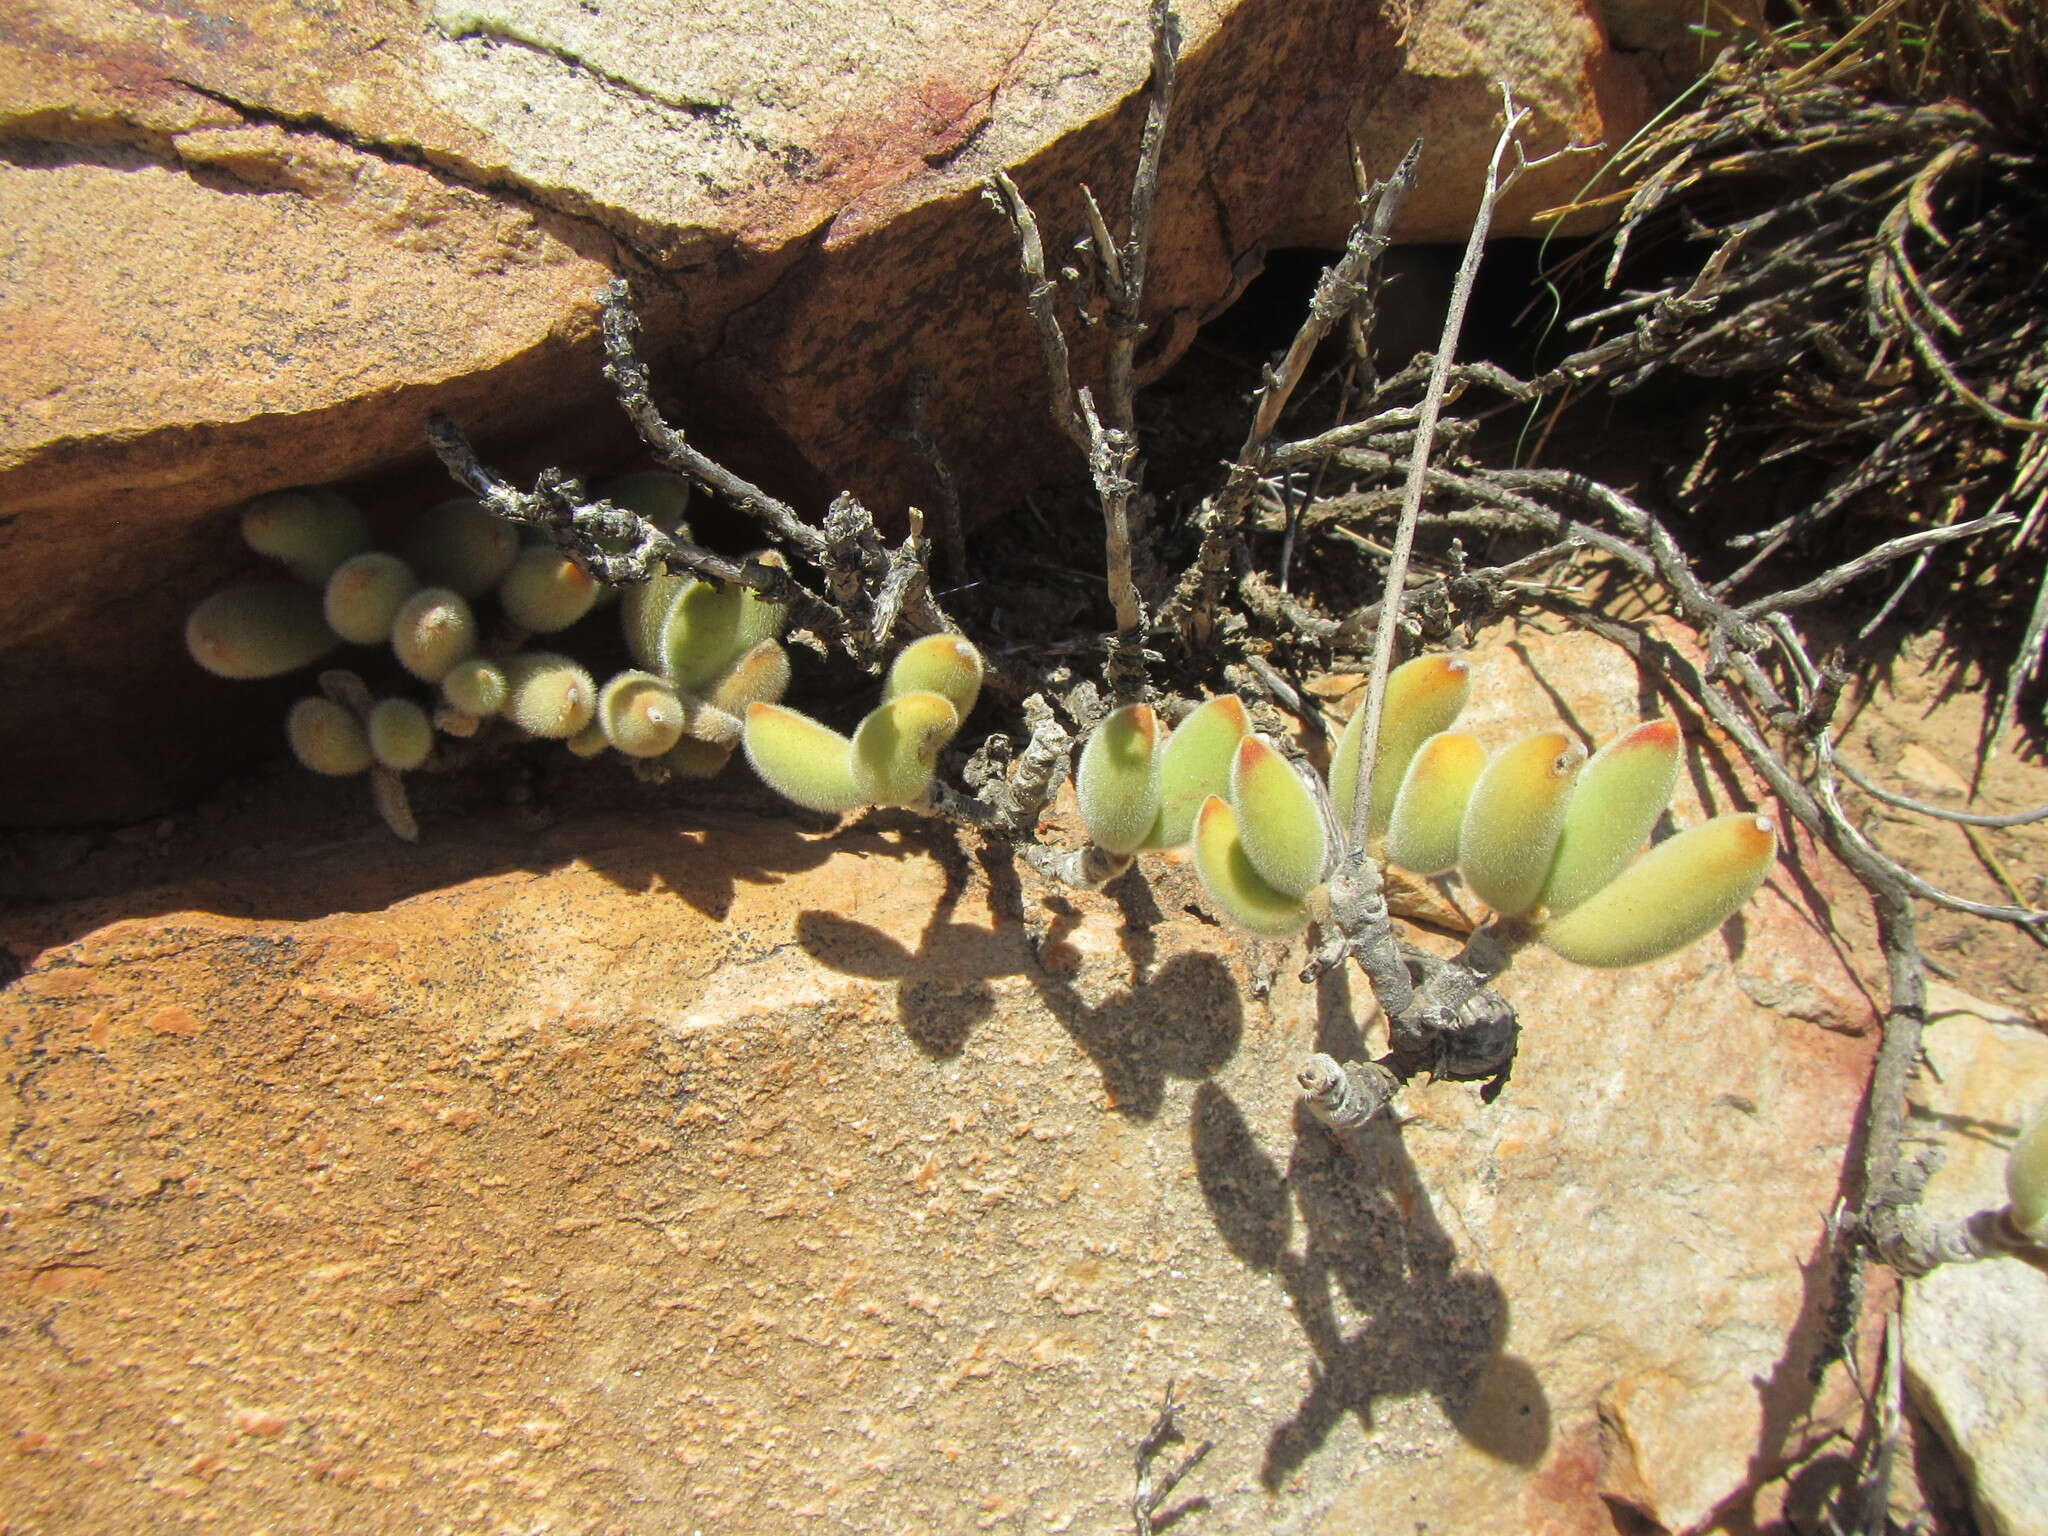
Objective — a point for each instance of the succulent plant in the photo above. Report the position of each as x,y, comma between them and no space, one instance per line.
1423,697
1235,881
1278,820
1422,833
1117,780
1613,807
640,714
433,630
544,591
401,735
897,746
1512,820
548,695
943,664
262,630
364,594
800,759
1680,890
308,531
475,685
327,738
759,676
1195,764
461,545
2026,1179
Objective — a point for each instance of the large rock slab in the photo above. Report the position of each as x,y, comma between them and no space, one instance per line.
254,249
675,1168
1975,1359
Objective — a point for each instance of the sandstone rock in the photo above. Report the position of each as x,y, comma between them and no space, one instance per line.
254,250
1975,1358
681,1170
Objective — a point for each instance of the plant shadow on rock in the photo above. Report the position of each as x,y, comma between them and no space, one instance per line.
1370,1245
1182,1020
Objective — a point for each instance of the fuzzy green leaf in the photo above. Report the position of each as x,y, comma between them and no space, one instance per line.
1278,820
640,714
1422,834
1117,782
1509,834
1195,764
327,738
309,532
1423,697
1613,808
2026,1179
401,735
460,545
475,685
943,664
1684,887
432,630
760,676
259,631
697,634
364,593
897,747
1233,882
549,695
800,759
643,610
545,591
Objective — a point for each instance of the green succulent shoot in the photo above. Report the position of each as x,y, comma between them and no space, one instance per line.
591,741
643,610
433,630
1195,764
1613,808
460,545
263,630
1511,825
640,714
896,748
475,685
309,531
1680,890
800,759
364,593
1279,822
1423,697
1422,833
691,759
943,664
544,591
759,676
759,619
1117,782
1234,882
2026,1180
697,634
327,738
401,734
548,695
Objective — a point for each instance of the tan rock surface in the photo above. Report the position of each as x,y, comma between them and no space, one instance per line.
1975,1358
677,1170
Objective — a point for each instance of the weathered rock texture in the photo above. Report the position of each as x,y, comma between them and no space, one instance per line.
1975,1357
252,247
657,1174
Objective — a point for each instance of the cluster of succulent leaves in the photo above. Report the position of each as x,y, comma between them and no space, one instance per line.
1538,832
703,653
893,753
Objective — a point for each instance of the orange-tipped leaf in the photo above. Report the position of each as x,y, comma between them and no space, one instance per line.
1117,782
1422,834
1232,881
1683,888
1614,806
1423,697
1278,820
1195,764
1509,834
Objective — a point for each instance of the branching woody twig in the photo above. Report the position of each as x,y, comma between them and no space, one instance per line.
1151,1492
